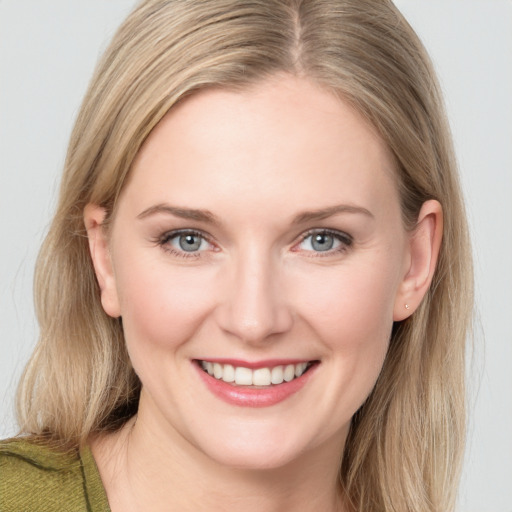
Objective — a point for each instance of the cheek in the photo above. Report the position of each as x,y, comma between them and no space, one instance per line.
161,305
349,303
351,313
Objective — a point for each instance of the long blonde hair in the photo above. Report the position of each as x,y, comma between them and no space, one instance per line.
405,446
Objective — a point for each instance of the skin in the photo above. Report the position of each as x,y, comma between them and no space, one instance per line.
256,289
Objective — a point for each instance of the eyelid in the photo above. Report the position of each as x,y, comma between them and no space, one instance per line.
183,231
164,239
344,238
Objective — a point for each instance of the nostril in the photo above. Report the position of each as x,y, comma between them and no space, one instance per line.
252,323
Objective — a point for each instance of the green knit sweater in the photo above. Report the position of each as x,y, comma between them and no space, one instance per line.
36,478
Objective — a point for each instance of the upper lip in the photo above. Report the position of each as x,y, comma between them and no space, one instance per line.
254,365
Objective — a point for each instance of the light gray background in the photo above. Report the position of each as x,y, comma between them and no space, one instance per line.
48,49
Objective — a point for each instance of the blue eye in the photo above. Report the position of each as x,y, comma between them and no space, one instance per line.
183,242
190,242
322,242
325,241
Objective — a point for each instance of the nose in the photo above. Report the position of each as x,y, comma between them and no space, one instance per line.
254,306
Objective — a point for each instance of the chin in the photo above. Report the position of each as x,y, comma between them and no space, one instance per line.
268,447
254,458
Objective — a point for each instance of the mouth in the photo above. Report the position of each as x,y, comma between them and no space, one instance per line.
260,377
260,384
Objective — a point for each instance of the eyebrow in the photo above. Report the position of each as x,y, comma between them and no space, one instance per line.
325,213
209,218
184,213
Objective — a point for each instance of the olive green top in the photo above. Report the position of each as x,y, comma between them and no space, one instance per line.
36,478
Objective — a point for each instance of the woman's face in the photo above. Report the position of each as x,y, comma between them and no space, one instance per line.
259,237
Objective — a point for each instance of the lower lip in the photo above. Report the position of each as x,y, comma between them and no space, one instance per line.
254,397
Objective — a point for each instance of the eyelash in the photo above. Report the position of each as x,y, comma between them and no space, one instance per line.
164,240
345,242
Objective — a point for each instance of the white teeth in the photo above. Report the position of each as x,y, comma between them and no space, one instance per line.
260,377
229,373
300,368
243,376
289,372
277,375
217,370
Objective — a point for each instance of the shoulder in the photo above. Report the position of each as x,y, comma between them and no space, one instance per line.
36,477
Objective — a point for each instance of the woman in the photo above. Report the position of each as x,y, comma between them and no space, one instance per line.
256,291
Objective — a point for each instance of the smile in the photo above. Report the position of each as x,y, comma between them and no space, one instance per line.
262,384
266,376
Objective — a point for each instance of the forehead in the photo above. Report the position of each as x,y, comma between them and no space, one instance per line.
282,142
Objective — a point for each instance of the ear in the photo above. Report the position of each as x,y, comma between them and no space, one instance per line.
94,217
423,250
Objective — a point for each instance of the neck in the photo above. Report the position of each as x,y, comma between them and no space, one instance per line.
145,470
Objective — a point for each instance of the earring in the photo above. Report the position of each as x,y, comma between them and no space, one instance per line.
407,306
